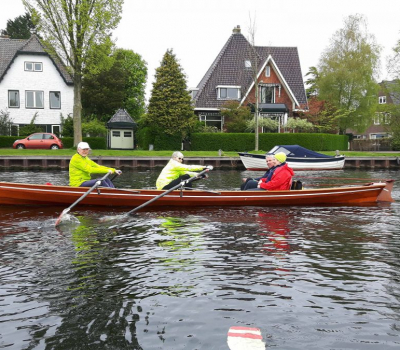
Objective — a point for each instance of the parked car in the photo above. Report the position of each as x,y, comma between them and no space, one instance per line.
39,140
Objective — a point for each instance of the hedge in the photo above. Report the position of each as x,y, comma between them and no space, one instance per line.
164,142
245,142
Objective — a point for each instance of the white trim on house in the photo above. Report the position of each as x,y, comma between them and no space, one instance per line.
207,109
280,77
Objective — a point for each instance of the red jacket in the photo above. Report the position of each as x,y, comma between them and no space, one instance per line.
281,179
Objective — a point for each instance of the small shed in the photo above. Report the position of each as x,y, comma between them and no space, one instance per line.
121,129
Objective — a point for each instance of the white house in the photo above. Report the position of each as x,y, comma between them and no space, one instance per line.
33,81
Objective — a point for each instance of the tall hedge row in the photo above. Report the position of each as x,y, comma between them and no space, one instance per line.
245,142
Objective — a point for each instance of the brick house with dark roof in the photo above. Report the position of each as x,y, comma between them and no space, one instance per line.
230,77
33,81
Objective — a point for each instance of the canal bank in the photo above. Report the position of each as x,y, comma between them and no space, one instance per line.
62,162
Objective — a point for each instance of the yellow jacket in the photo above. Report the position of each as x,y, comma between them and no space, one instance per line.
81,168
173,170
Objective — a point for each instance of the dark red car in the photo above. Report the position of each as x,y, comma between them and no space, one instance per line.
41,140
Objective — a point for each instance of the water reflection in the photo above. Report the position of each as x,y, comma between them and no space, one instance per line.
309,278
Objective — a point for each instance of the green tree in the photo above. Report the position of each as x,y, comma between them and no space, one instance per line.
299,125
31,127
20,27
311,82
170,109
73,28
5,123
67,126
393,88
265,123
118,80
346,74
235,116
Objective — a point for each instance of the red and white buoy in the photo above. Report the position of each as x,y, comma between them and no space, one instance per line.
245,338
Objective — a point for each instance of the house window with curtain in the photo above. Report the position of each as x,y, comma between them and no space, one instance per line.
267,94
34,99
55,100
225,92
13,98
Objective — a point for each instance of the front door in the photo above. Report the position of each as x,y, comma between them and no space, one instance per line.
121,138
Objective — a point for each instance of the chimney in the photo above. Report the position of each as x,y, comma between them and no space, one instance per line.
236,30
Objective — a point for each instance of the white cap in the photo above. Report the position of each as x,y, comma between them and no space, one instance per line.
83,145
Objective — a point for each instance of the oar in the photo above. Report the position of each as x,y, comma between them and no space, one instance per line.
66,211
182,183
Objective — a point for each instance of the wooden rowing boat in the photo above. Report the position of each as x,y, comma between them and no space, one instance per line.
49,195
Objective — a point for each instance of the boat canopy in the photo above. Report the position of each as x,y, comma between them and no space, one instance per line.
297,152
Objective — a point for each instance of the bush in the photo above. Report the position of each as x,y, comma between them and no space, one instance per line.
167,142
395,143
144,137
94,142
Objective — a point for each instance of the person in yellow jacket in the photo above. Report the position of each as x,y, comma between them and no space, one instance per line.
81,168
175,172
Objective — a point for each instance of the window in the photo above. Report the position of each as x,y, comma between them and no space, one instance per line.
247,64
36,137
267,71
13,98
33,66
382,100
267,94
34,99
228,92
377,119
127,133
116,134
212,120
55,100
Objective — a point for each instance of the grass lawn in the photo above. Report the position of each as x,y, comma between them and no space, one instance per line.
139,153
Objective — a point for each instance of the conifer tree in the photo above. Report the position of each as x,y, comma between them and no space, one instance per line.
170,109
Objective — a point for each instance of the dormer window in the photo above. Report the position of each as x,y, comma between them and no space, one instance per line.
34,66
225,92
382,100
193,92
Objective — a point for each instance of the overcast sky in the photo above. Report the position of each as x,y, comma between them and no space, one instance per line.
197,30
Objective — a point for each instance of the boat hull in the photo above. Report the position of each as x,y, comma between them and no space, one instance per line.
43,195
257,162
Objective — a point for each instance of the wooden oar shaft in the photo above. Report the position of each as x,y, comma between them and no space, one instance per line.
65,211
182,183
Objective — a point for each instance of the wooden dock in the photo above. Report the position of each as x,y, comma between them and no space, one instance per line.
62,163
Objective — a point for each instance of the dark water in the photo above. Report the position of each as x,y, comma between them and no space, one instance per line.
309,278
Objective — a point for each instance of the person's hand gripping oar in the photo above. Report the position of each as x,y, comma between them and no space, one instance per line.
67,210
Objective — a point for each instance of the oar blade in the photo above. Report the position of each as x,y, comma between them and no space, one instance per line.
63,213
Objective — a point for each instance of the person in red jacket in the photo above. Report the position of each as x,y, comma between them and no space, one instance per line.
282,177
